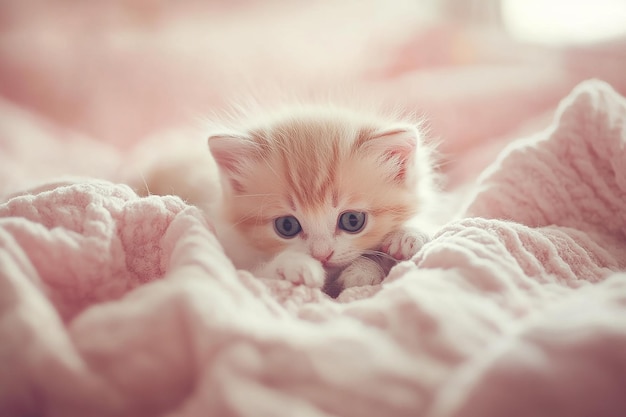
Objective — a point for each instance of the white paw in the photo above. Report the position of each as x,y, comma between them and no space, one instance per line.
296,267
362,271
404,243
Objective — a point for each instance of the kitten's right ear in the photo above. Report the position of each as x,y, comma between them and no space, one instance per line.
231,151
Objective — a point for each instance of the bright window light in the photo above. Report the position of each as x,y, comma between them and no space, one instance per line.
564,21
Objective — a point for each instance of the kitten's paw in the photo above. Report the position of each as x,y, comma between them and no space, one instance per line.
404,243
298,268
363,271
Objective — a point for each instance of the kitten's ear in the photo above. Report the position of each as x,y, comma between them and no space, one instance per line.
396,146
230,151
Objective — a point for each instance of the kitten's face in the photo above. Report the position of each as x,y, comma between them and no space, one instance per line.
326,186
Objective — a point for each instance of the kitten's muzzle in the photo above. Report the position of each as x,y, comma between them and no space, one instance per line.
324,257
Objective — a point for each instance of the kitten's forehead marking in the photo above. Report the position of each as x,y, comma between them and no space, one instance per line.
310,156
292,204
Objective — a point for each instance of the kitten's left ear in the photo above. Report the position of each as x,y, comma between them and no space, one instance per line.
230,150
396,146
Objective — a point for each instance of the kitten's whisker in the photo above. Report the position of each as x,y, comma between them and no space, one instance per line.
145,183
244,219
379,253
263,205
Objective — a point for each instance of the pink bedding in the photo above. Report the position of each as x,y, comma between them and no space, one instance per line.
115,305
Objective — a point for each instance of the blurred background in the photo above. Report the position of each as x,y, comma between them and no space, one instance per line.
117,72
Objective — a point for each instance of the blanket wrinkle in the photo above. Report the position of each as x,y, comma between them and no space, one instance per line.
85,222
113,304
36,334
587,193
561,344
135,371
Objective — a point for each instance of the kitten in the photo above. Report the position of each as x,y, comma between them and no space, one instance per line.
320,194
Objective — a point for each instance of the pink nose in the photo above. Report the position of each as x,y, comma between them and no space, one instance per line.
324,256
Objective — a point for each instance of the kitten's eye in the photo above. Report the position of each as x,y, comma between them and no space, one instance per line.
352,221
287,226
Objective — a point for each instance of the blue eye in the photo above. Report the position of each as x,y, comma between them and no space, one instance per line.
352,221
287,226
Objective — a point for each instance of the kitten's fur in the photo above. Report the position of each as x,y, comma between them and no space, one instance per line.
315,163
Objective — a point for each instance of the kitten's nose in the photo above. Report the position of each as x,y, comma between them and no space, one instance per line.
323,257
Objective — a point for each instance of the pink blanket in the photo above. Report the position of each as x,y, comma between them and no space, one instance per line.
115,305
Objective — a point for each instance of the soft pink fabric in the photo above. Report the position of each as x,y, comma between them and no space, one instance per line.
111,305
114,305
